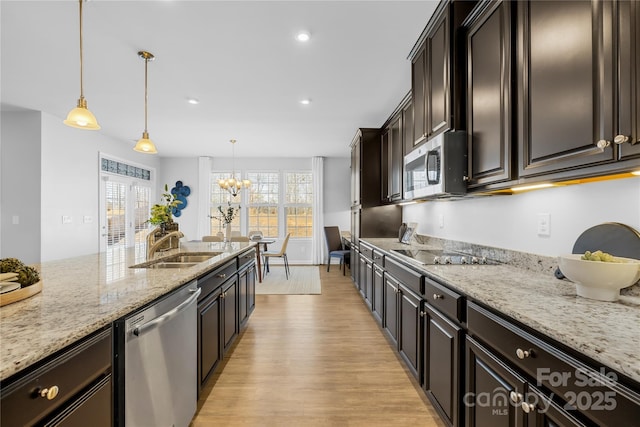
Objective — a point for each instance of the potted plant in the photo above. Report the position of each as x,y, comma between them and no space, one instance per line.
162,214
226,216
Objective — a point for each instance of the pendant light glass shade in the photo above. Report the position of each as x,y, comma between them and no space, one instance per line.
80,117
145,144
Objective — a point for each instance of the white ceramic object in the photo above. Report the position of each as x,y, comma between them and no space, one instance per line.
600,280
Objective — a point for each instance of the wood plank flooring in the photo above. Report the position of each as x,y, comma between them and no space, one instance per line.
314,360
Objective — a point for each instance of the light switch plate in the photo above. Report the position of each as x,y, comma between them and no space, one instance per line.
544,226
66,219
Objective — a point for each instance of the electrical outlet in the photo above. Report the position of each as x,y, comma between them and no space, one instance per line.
66,219
544,227
87,219
441,221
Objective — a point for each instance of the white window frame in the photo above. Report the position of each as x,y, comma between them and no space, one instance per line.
285,204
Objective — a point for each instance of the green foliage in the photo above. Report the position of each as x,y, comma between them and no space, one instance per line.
227,215
10,265
162,213
27,275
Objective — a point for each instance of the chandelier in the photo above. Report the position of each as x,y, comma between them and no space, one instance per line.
231,184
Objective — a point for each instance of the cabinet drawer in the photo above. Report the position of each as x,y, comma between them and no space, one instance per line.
444,299
246,258
217,277
595,391
72,371
378,258
410,278
366,250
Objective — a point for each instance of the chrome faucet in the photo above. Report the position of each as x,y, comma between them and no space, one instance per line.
152,249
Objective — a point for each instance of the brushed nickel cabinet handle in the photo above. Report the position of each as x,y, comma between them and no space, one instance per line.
621,139
438,296
602,144
523,354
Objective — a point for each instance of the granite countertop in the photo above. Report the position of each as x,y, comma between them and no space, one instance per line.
81,295
528,292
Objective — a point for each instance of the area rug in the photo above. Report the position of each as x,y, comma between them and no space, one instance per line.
303,280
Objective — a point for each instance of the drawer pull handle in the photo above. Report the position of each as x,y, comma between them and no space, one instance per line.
222,275
516,398
523,354
49,393
422,314
438,296
528,407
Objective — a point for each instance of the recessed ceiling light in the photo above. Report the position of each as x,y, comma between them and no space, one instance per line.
305,102
193,101
303,36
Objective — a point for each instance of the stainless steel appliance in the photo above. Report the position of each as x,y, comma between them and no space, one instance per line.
435,256
437,168
160,367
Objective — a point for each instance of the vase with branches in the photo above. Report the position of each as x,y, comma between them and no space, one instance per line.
226,217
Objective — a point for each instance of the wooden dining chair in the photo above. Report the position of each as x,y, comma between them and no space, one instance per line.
212,238
336,249
282,253
239,238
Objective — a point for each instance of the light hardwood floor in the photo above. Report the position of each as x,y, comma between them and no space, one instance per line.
313,360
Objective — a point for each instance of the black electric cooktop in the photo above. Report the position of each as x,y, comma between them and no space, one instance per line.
435,256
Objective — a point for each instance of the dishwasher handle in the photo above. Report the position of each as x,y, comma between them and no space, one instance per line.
139,330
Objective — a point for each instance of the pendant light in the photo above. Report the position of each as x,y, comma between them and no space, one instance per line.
80,117
144,144
233,185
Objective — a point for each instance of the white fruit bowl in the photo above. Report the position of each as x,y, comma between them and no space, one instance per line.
600,280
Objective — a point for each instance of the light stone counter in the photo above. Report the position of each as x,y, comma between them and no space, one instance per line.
608,332
81,295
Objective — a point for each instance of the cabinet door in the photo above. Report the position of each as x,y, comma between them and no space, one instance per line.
438,63
396,159
493,392
418,94
378,293
628,34
230,312
407,127
390,319
385,172
209,353
92,408
565,83
355,172
251,289
242,296
489,95
366,288
442,362
409,329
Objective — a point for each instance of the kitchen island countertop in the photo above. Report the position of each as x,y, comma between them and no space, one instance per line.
606,332
83,294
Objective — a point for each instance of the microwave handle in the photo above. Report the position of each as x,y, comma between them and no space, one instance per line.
433,167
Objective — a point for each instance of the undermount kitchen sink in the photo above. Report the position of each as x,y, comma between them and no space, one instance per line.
184,260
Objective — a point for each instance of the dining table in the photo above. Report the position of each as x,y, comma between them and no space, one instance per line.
264,242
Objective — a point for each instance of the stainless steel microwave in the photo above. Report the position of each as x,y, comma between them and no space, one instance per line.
437,168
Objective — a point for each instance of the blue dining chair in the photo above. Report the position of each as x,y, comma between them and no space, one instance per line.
335,248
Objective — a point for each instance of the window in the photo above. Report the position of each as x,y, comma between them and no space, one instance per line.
298,204
262,212
220,197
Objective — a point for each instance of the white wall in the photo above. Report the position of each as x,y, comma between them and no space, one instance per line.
183,169
337,192
20,186
70,185
510,222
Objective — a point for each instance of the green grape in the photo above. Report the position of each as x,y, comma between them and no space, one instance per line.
599,256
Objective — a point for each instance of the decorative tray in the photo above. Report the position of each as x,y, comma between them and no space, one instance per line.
20,294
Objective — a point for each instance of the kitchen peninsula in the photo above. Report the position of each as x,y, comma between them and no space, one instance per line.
84,296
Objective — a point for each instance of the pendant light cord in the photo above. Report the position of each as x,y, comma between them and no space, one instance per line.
146,96
81,82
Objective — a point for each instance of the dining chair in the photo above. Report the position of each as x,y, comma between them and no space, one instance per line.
255,233
335,248
239,238
282,253
212,238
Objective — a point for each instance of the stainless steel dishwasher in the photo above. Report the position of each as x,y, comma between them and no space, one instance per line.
160,375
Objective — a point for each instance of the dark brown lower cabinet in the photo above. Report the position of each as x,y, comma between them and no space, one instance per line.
493,391
229,302
378,293
247,292
81,375
409,338
390,319
542,412
442,363
209,354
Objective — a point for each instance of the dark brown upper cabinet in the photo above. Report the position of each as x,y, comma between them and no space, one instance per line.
407,126
393,142
435,82
489,95
628,38
365,168
565,78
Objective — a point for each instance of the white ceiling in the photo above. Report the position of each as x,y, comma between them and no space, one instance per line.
239,58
